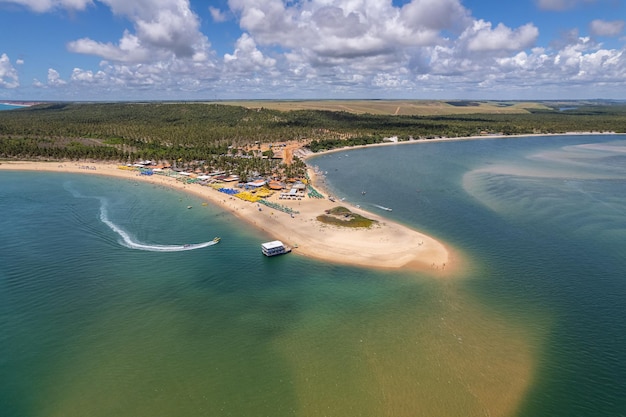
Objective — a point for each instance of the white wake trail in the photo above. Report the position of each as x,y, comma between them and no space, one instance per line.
381,207
126,238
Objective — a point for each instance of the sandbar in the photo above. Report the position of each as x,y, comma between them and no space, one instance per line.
386,245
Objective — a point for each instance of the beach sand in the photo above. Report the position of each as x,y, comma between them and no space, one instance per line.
386,245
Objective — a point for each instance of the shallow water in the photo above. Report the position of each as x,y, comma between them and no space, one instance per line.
90,325
8,107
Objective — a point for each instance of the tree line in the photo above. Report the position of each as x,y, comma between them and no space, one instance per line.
188,132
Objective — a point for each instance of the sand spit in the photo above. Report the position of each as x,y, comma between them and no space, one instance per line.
386,245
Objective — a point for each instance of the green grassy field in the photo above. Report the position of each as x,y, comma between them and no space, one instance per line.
395,107
341,216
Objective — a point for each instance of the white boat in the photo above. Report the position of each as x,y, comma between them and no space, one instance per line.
273,248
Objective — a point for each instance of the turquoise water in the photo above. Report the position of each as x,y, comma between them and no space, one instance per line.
105,311
8,107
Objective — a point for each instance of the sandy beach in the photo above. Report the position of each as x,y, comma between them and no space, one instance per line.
302,153
386,245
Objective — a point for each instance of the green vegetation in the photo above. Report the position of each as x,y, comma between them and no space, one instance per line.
341,216
393,107
210,136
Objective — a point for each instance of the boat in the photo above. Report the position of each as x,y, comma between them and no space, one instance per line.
188,207
216,239
273,248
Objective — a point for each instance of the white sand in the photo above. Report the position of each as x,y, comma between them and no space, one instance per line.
385,245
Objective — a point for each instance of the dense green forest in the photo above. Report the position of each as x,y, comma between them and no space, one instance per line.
190,132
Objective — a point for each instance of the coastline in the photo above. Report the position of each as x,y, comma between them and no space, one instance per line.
16,104
386,245
308,155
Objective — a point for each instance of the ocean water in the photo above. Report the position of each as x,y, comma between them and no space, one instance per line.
8,107
105,310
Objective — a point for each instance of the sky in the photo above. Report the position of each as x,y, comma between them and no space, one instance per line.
109,50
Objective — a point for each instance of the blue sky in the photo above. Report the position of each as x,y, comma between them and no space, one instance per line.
312,49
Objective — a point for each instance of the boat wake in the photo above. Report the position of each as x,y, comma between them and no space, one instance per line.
126,239
382,207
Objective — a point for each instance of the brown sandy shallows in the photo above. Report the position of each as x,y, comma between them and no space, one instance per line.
445,356
387,245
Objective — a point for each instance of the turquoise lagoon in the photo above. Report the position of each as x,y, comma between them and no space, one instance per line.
9,107
104,311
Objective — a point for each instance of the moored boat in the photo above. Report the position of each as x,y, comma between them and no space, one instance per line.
273,248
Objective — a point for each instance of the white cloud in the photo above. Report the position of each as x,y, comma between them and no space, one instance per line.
42,6
605,28
581,68
561,5
129,49
435,15
481,37
372,37
576,64
268,21
332,48
88,77
349,28
171,75
584,60
54,79
218,15
247,58
162,28
8,74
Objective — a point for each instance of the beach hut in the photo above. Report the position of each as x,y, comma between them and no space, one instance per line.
256,184
299,185
276,185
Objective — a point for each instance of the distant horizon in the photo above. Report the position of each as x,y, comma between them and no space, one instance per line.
3,101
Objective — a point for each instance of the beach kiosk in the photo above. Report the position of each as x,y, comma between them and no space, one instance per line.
273,248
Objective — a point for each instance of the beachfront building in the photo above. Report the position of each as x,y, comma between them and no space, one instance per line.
275,185
256,184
